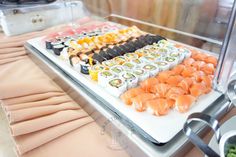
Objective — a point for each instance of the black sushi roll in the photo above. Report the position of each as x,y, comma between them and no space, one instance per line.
112,52
84,66
105,55
138,44
124,48
131,47
48,44
118,50
98,58
57,49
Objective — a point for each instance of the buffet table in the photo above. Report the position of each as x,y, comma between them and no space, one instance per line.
33,107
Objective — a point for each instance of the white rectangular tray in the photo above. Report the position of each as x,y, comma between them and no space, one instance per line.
162,129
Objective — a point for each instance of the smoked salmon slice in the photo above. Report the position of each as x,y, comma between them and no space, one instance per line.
128,95
158,106
147,84
183,102
139,101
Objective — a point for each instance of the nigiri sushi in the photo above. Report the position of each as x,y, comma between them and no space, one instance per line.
158,106
174,92
131,93
197,89
198,64
185,84
160,89
188,61
211,59
177,70
174,80
183,102
148,84
139,102
164,75
188,71
208,69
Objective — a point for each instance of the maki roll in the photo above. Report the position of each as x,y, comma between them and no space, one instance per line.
163,51
162,43
171,61
105,55
178,56
98,57
57,49
151,69
64,54
129,65
117,69
84,66
162,65
148,59
186,52
104,77
141,74
130,56
109,63
119,60
157,56
137,61
130,79
116,86
94,70
49,43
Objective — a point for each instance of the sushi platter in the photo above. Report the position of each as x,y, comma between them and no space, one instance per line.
151,81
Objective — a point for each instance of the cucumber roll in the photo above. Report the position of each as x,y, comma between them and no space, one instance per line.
186,52
117,69
130,56
94,70
151,69
129,65
171,61
104,77
141,74
116,86
162,65
129,78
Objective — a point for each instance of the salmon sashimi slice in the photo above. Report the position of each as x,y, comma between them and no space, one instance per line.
198,75
174,80
208,69
174,92
158,106
197,89
185,84
147,84
164,75
212,60
184,102
128,95
198,64
200,56
188,71
178,69
139,101
188,62
160,89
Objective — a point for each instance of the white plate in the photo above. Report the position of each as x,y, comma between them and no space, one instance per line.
162,129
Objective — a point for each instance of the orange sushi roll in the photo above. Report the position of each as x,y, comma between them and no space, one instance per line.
185,84
188,71
198,64
177,70
197,75
174,80
128,95
174,92
197,89
211,59
183,102
188,61
160,89
147,84
208,69
139,101
158,106
164,75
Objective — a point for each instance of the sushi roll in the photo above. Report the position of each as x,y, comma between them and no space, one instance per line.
162,43
104,77
64,55
186,52
57,49
138,62
97,57
130,56
48,43
105,55
116,86
84,66
129,65
119,60
162,65
163,51
141,74
117,69
94,70
178,56
151,69
109,63
129,78
148,59
157,56
171,61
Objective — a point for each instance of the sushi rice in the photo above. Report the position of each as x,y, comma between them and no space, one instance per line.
171,61
151,69
104,77
128,65
116,86
129,78
117,69
141,74
162,65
